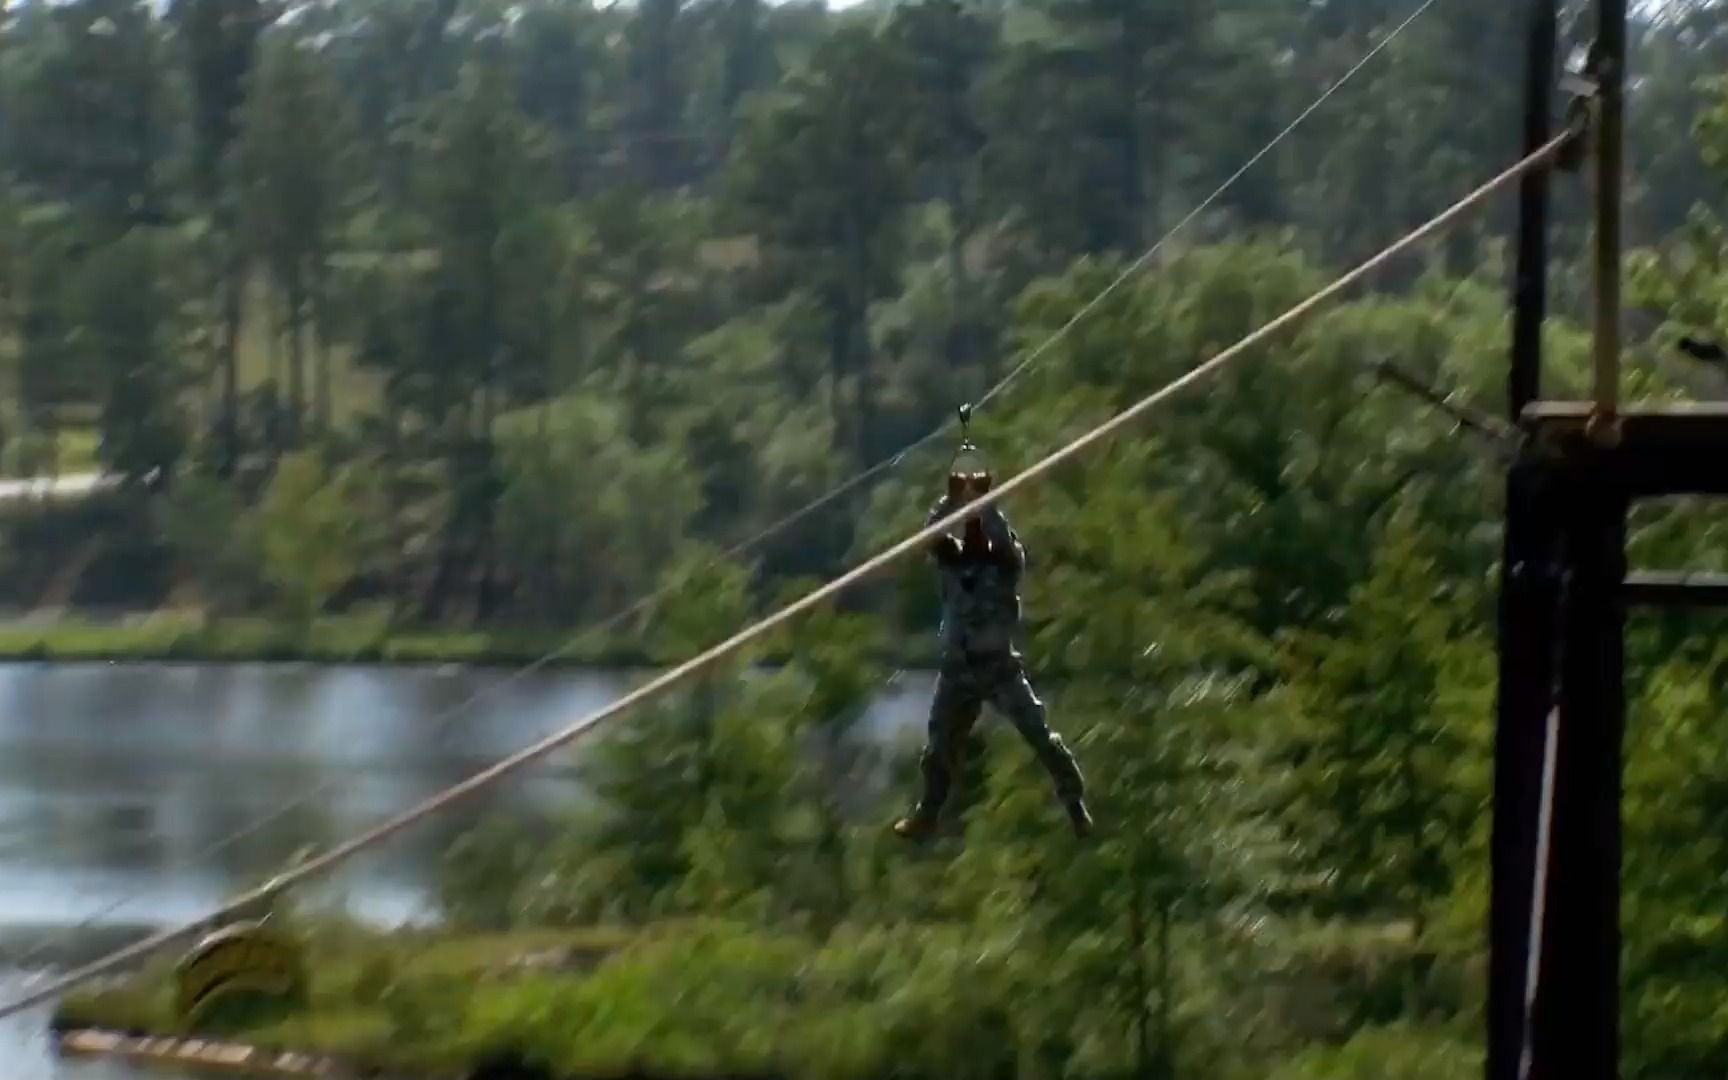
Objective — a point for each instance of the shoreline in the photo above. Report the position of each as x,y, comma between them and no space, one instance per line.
179,639
205,1054
694,999
174,638
389,1005
217,1055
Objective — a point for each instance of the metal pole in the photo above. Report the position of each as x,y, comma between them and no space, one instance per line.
1530,287
1529,599
1530,592
1576,1020
1610,76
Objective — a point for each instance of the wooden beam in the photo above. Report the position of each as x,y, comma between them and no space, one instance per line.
1671,419
1609,64
1530,276
1679,449
1661,588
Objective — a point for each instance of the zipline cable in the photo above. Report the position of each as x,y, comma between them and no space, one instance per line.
916,542
438,724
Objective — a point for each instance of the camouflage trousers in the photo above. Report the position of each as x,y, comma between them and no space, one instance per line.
963,686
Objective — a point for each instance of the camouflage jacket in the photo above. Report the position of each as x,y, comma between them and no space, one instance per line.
980,589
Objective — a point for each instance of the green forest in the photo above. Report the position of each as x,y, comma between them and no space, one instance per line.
489,318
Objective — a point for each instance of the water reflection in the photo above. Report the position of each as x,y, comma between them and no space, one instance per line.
109,774
116,781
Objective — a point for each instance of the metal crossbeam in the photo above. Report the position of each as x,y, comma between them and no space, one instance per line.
1667,588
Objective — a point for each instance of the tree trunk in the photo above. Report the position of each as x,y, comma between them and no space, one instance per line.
1141,980
963,342
52,430
276,325
321,393
296,364
857,338
1129,49
836,843
486,593
1149,221
867,441
233,307
832,734
1166,992
551,599
839,368
704,707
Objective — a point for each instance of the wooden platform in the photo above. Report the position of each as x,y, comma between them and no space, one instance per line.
202,1054
1678,449
1657,588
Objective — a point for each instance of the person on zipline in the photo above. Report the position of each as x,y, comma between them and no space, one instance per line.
980,578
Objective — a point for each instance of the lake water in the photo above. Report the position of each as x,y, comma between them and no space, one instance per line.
117,781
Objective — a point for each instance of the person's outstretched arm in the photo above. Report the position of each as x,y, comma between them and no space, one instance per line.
945,548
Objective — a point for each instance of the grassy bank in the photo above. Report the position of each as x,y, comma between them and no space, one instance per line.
178,637
73,450
172,637
673,1000
377,1001
718,998
697,999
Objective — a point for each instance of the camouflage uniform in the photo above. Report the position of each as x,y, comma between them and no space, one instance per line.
979,663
